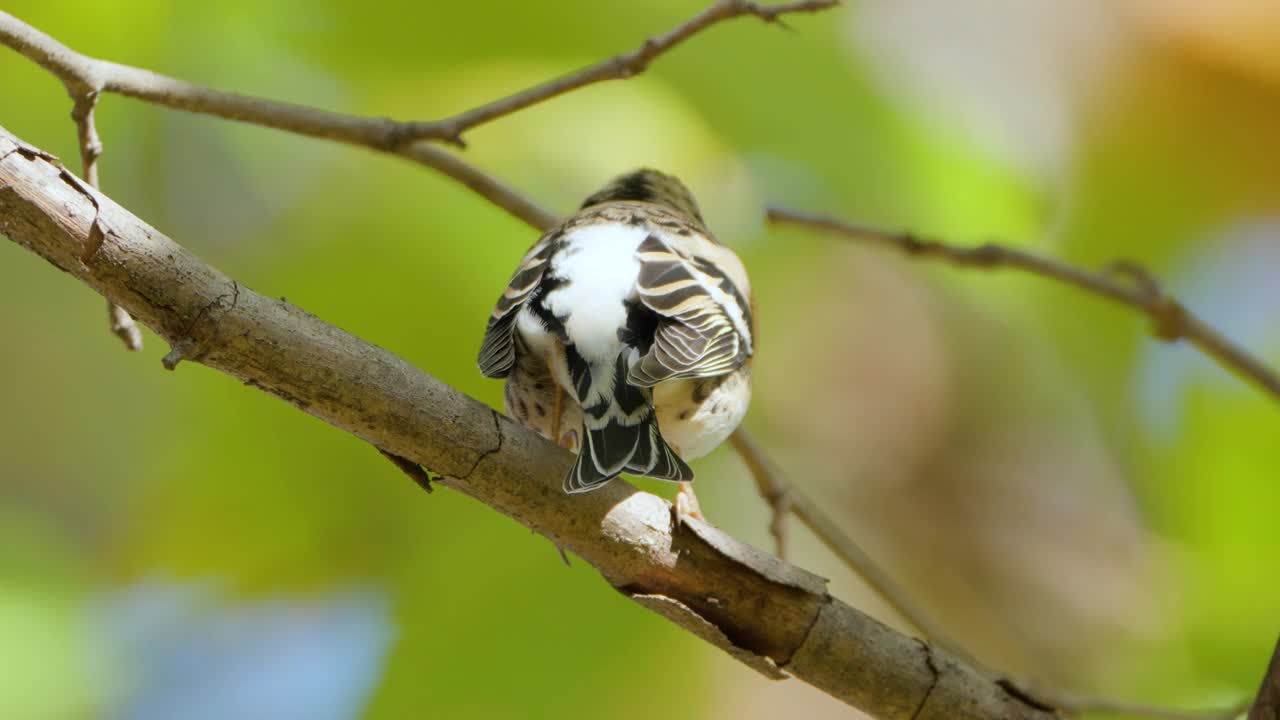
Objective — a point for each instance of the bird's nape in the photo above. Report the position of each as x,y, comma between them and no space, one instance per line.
648,185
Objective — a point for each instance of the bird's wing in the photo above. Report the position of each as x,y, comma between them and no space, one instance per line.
704,327
498,352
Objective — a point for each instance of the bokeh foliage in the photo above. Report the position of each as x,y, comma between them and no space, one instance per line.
890,389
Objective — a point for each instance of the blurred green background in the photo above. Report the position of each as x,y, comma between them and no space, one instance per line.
1077,502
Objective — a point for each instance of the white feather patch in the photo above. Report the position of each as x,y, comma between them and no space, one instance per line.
599,265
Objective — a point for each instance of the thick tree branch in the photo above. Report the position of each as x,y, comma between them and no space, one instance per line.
1170,320
770,615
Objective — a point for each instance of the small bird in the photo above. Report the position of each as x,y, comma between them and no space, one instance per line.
626,336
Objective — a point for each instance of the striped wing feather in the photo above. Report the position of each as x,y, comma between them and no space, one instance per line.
695,336
498,351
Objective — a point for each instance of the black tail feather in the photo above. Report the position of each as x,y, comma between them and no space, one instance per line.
616,448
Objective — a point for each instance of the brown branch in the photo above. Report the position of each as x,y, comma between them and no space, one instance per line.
772,616
514,202
775,490
1170,320
85,98
618,67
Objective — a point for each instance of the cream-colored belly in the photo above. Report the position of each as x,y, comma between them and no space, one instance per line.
694,429
535,396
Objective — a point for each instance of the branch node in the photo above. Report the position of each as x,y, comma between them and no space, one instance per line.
418,474
913,244
177,353
1168,316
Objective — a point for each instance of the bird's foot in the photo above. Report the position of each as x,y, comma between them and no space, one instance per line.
569,440
686,505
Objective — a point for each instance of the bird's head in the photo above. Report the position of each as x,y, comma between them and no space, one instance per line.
647,185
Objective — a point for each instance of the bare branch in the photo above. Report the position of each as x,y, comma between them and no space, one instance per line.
514,202
85,75
777,490
770,615
774,489
122,325
1170,320
87,134
83,87
618,67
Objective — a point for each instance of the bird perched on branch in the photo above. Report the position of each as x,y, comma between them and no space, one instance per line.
625,335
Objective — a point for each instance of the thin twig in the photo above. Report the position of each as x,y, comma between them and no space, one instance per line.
1170,320
619,67
514,202
773,483
86,101
773,487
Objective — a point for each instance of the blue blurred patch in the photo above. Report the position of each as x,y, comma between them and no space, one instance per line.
1234,285
188,651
